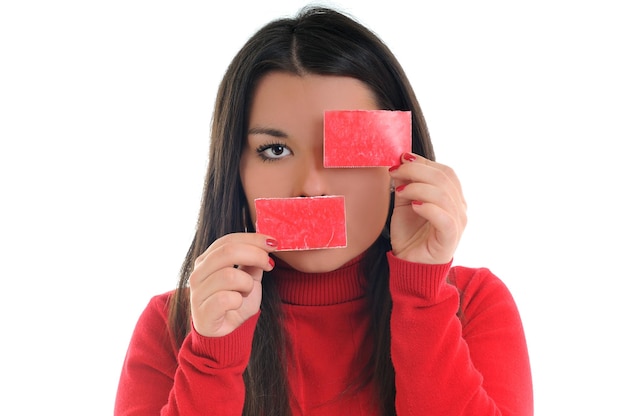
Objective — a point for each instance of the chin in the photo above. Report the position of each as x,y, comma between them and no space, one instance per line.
317,261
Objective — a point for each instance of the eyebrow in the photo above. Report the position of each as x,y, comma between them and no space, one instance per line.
267,131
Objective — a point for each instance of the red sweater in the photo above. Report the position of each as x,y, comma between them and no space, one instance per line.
476,365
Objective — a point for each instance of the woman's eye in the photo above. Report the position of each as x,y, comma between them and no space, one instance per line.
273,151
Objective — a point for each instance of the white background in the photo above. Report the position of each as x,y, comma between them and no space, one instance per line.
104,121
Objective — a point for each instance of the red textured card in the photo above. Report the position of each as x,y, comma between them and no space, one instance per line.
303,223
365,138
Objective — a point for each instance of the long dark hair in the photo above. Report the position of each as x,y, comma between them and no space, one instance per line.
317,41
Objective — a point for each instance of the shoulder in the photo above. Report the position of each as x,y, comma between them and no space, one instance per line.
483,296
474,279
153,321
158,305
161,301
152,336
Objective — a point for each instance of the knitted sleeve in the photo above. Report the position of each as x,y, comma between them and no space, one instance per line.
204,377
458,345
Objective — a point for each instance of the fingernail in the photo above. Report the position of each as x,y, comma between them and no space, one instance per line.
409,157
272,263
400,188
391,169
271,242
417,202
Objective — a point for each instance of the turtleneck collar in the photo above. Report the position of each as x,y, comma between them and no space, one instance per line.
342,285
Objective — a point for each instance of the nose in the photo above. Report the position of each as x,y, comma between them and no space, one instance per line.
312,176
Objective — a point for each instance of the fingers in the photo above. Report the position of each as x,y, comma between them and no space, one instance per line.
416,169
442,204
248,250
238,249
213,297
431,192
225,285
225,279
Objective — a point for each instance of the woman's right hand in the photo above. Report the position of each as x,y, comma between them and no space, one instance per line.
225,285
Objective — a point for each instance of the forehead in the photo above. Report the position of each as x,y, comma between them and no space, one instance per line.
283,96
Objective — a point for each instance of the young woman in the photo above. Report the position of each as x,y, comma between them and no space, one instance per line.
384,326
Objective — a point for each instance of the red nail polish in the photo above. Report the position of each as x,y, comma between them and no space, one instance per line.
271,242
391,169
400,188
409,157
417,203
272,264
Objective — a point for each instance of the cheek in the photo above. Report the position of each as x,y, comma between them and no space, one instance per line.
260,182
368,216
250,181
368,205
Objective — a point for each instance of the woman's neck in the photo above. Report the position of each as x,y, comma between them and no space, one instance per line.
344,284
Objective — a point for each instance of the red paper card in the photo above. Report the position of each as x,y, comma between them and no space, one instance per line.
362,138
303,223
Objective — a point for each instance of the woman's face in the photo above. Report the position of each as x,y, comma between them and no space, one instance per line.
283,157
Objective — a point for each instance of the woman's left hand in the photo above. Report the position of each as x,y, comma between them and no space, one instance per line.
429,215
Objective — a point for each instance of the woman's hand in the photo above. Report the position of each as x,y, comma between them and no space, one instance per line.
429,215
225,285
